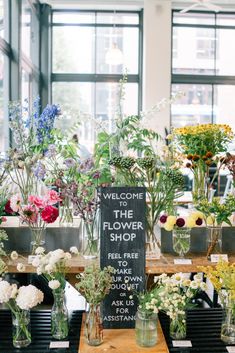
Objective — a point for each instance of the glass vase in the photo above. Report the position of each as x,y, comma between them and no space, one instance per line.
178,327
228,323
153,242
199,191
181,240
93,325
21,332
146,329
214,240
59,316
90,237
66,213
37,238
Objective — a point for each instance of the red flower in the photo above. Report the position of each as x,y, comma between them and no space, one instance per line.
180,222
50,214
8,208
199,222
163,218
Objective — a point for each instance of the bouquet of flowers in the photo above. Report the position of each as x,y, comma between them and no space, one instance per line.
54,266
181,228
3,238
176,294
20,301
32,133
37,213
200,144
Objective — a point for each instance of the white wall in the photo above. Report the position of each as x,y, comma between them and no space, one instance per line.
157,60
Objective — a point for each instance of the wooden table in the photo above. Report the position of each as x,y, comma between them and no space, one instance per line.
120,341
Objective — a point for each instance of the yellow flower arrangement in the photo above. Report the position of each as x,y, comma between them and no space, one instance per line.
222,276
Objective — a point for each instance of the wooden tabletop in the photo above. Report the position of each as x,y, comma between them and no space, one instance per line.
120,341
164,265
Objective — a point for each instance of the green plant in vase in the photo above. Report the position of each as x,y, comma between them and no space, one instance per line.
94,284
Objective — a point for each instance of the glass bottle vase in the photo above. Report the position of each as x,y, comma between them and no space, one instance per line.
66,213
37,238
181,240
146,328
21,331
228,323
93,325
91,236
178,327
214,240
59,316
199,191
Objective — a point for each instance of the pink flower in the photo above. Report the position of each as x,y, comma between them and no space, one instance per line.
50,214
52,197
37,201
8,208
15,202
29,214
3,219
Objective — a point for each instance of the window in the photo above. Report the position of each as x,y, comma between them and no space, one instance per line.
84,83
203,56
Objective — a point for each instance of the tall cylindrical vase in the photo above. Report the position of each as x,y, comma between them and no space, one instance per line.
21,332
146,328
37,238
214,240
90,236
93,325
59,316
66,213
181,240
228,323
199,182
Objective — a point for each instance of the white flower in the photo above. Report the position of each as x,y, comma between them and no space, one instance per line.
36,262
28,297
74,250
67,256
20,267
15,202
194,285
40,250
54,284
14,255
5,291
14,291
39,270
49,268
203,286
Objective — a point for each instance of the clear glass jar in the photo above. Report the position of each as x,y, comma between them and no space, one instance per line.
66,213
146,328
228,323
91,236
37,238
93,325
178,327
181,240
214,240
59,316
21,330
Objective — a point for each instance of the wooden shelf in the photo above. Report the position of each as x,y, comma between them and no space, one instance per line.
120,341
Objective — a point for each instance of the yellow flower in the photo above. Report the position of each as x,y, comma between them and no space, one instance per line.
168,227
197,214
190,222
171,220
210,220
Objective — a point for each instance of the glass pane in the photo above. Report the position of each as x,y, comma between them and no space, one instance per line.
80,102
2,18
73,17
195,107
3,122
225,57
73,49
117,18
25,28
194,50
225,20
25,86
126,40
224,105
194,18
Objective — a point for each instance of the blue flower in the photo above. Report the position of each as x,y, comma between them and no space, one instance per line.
39,170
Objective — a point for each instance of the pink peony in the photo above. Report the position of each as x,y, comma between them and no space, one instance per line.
52,197
15,202
37,201
50,214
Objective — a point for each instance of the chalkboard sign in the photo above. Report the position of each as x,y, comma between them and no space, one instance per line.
123,247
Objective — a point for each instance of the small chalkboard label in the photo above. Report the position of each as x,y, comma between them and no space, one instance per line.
123,247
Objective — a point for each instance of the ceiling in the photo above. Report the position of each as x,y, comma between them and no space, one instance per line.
228,5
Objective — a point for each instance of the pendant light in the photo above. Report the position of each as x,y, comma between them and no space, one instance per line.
114,56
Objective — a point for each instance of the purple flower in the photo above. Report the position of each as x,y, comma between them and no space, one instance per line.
51,151
96,175
39,170
69,162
